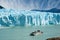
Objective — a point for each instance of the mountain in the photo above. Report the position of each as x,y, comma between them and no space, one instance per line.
2,7
53,10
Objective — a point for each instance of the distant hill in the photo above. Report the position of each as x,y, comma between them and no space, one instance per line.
2,7
53,10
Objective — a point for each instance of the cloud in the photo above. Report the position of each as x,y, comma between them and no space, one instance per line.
30,4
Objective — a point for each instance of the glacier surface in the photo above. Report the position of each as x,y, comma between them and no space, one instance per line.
27,18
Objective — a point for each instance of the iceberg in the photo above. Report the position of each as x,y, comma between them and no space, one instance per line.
27,18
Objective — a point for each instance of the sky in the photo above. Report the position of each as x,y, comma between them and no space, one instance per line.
30,4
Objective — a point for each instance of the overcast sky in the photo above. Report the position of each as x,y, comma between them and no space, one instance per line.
30,4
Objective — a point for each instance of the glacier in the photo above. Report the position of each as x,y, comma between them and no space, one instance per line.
27,18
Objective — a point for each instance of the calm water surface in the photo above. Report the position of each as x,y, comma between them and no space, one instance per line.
22,33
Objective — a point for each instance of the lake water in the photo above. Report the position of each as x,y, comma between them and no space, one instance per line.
22,33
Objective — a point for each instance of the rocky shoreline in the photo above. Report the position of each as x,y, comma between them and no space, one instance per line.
55,38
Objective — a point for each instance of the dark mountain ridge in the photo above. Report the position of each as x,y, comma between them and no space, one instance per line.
53,10
2,7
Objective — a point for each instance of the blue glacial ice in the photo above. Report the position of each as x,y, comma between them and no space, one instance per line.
27,18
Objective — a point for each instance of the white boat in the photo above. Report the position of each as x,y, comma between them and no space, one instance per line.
36,33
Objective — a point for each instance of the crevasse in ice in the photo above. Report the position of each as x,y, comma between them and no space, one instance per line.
27,18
